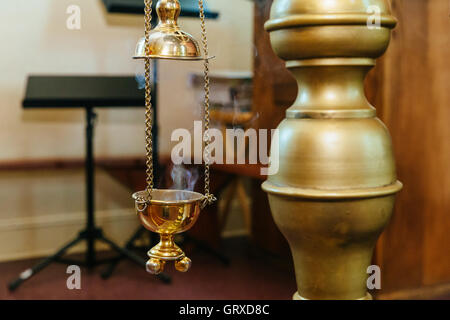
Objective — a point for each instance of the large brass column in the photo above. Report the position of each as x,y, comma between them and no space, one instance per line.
335,189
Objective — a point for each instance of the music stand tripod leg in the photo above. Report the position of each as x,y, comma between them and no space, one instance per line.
28,273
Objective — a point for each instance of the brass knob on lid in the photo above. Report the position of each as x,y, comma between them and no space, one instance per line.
168,11
167,40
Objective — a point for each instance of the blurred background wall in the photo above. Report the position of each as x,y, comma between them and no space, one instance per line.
41,209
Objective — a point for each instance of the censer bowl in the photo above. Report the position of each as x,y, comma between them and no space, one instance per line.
168,212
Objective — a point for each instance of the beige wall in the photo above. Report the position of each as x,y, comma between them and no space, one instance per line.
41,210
35,40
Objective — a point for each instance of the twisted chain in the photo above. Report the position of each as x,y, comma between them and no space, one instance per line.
148,101
209,198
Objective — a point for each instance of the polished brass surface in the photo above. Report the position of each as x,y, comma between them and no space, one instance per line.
167,212
167,40
335,189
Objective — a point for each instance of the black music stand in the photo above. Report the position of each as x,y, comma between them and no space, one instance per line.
189,8
87,93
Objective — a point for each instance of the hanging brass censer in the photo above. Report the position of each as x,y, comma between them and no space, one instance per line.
169,212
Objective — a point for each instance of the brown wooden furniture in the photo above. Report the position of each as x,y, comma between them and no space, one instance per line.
274,89
236,189
413,84
411,89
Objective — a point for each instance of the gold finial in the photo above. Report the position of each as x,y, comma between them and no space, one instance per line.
335,188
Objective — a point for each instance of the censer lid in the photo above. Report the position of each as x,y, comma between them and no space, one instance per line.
167,40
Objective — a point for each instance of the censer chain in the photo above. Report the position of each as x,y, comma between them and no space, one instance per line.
209,198
148,103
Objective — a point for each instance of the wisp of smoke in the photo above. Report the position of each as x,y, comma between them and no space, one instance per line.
140,79
183,178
